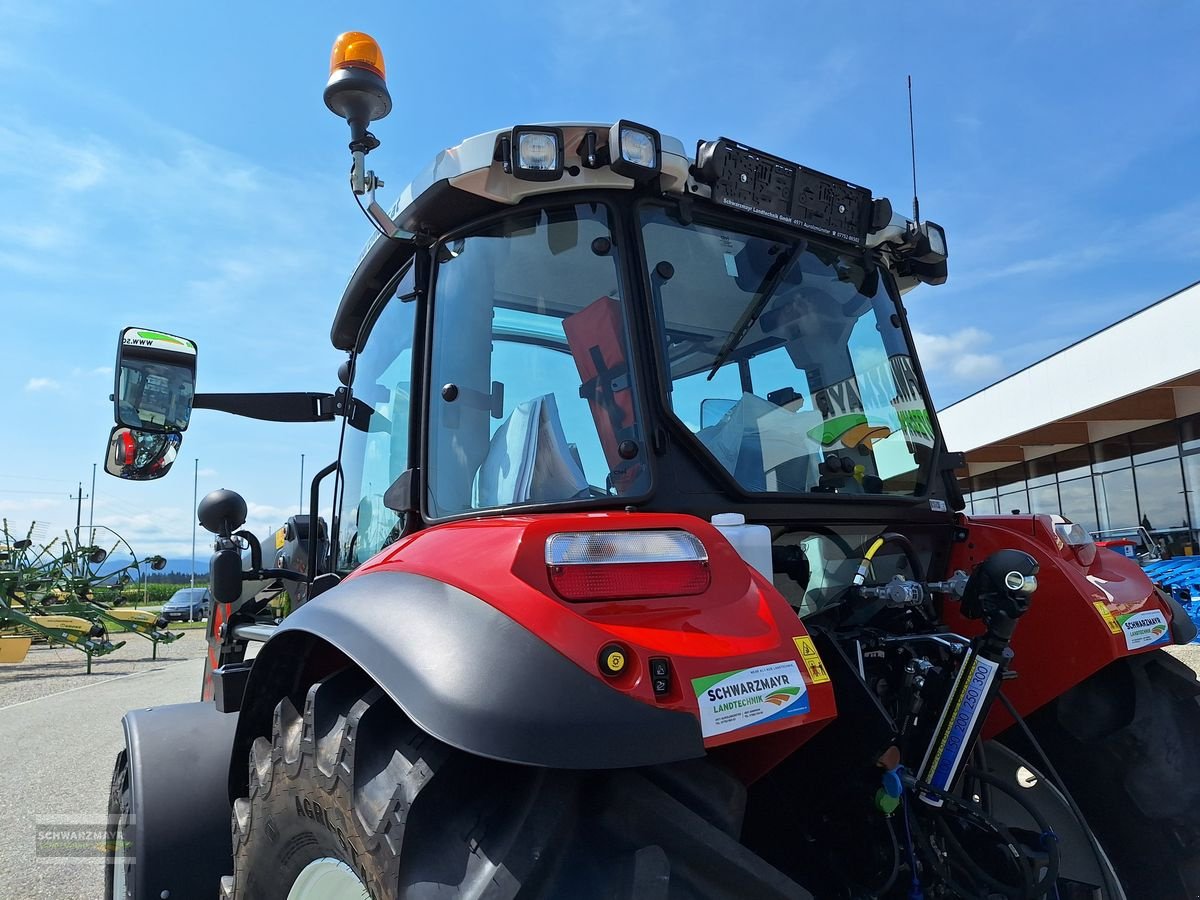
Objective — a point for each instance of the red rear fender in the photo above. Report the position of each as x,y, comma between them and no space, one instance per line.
1081,618
740,622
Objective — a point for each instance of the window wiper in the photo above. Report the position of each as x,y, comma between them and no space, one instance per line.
766,290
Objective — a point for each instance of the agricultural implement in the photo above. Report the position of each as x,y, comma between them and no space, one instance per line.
54,591
646,573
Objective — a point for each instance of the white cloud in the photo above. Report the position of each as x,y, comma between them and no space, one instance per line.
42,384
957,356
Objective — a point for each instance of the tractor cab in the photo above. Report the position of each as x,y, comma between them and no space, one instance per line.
586,317
543,325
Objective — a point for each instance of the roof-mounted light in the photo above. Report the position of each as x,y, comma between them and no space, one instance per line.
356,90
634,150
926,255
931,247
353,49
536,153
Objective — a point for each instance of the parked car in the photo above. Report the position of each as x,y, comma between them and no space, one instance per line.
187,605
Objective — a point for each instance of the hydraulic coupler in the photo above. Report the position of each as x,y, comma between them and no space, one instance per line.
998,592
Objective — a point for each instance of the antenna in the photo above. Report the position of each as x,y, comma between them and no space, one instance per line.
912,140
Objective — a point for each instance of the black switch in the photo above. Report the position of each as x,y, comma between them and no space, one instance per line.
660,675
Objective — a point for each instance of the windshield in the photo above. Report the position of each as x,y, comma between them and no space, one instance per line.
532,396
786,360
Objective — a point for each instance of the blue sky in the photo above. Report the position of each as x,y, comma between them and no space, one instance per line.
172,165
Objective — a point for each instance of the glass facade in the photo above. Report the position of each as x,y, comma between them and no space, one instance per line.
1148,478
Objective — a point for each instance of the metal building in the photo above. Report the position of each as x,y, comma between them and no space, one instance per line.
1105,431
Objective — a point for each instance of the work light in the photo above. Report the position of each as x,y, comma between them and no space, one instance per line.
537,153
931,246
635,150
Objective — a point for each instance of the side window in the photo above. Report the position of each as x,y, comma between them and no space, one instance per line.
532,392
373,459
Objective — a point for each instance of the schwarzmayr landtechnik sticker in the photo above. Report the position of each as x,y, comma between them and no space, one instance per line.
744,697
1144,629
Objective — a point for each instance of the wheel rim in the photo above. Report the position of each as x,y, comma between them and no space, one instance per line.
327,879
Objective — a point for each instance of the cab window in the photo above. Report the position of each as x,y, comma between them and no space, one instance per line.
373,458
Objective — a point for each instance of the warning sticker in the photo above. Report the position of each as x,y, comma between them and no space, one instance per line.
817,673
1144,629
732,700
1106,614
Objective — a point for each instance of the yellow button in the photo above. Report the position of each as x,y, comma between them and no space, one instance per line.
612,659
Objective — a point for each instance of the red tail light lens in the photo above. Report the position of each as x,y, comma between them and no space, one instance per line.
626,565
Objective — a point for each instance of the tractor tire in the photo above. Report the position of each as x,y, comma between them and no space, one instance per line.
349,799
1126,741
118,858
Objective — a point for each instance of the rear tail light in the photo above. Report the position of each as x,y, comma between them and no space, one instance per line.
624,565
1073,535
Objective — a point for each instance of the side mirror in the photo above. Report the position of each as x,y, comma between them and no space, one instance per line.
141,455
225,575
155,381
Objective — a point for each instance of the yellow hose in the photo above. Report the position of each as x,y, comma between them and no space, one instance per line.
860,577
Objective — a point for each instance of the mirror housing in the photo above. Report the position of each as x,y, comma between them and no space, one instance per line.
225,575
141,455
155,381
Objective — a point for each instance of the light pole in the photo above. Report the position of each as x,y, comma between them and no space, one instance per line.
301,484
78,498
92,509
195,489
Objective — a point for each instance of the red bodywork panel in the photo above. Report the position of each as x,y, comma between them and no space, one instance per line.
739,622
1071,630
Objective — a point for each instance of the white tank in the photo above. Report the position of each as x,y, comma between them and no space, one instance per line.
752,542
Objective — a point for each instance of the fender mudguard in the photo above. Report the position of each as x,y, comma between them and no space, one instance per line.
471,677
178,760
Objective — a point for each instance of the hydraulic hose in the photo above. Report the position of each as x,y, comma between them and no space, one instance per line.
906,547
974,814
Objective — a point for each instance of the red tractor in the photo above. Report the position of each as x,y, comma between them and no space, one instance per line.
645,573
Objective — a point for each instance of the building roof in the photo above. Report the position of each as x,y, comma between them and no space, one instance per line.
1139,371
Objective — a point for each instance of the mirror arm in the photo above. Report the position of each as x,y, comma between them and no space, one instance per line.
285,406
285,574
